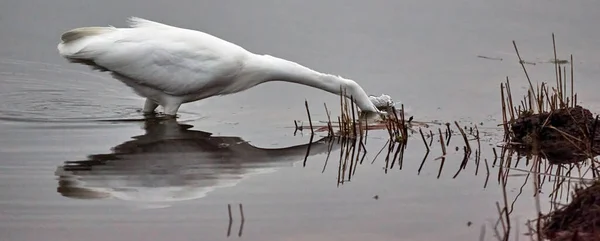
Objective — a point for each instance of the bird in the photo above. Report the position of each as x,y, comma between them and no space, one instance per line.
170,66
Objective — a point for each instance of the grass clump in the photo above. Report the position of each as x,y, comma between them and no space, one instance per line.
579,220
547,121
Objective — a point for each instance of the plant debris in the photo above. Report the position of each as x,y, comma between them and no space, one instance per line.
579,220
549,127
547,121
561,136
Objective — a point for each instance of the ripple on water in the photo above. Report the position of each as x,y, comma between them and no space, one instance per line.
42,92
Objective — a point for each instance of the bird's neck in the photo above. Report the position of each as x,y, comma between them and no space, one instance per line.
266,68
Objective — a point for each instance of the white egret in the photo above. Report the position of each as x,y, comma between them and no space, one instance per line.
170,66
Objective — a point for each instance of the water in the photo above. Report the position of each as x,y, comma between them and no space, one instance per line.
423,53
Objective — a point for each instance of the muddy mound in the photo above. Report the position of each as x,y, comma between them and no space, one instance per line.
580,220
561,136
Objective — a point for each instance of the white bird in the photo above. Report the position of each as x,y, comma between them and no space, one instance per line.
170,66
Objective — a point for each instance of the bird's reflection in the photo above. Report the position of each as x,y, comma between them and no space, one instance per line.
171,162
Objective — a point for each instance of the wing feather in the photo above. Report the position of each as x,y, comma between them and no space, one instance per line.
136,22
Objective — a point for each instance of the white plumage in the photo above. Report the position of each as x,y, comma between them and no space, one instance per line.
170,66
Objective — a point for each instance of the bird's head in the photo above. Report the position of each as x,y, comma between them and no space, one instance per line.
382,104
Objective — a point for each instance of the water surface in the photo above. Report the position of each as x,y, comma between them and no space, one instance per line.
72,168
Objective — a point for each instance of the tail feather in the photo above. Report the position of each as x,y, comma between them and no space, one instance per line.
80,45
80,33
75,41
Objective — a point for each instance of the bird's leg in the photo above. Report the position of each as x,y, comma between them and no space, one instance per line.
149,107
171,107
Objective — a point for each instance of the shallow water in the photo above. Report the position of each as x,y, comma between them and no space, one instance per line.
148,180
